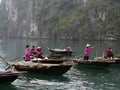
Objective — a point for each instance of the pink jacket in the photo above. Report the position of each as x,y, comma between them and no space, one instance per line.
27,54
39,53
108,51
68,48
87,50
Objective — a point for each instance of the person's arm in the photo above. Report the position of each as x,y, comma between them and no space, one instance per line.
91,48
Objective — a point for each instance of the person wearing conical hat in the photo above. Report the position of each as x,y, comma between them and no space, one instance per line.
39,52
87,50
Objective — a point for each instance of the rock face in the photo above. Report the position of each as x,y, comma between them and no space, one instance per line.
21,17
62,19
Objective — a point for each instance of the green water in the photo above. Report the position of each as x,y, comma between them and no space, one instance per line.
77,78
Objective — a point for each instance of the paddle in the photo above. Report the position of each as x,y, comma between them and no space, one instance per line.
11,60
17,58
4,60
11,66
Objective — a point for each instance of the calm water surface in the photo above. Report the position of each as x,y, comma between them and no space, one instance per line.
77,78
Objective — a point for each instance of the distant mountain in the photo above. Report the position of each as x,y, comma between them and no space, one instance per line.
61,19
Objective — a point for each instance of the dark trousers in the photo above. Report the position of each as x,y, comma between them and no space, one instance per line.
110,55
86,57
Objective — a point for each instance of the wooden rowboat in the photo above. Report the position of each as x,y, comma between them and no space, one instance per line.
97,63
53,69
51,60
9,76
60,51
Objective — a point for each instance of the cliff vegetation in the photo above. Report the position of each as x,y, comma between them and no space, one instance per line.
61,19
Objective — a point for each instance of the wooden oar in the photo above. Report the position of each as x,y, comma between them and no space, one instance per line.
17,58
4,60
11,66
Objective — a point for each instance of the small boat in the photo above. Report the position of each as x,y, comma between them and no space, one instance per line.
60,51
51,60
100,63
43,68
9,77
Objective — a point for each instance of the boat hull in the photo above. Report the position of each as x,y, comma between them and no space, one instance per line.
51,61
94,63
52,70
60,52
43,68
9,76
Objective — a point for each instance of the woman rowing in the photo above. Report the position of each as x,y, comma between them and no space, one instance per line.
87,50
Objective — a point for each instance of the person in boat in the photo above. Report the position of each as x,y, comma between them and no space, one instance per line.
39,52
87,50
33,51
109,53
27,53
68,48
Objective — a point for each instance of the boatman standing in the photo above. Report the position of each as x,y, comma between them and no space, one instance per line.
87,50
39,53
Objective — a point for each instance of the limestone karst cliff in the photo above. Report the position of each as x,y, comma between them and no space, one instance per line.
61,19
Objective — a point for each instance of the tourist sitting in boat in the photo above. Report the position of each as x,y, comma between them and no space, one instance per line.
33,51
87,50
39,52
27,53
68,48
109,53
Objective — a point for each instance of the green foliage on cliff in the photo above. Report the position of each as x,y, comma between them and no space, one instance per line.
94,18
68,19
